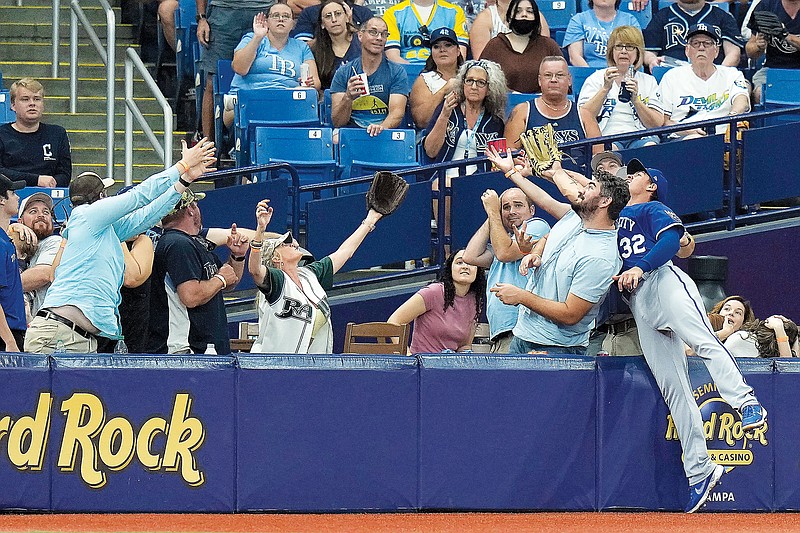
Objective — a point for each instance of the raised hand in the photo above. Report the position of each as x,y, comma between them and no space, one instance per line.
260,25
237,243
263,214
227,272
491,202
525,242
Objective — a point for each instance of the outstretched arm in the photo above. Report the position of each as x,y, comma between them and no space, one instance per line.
476,253
351,244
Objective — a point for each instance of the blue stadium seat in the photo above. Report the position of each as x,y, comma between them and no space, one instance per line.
782,89
185,36
309,150
271,107
659,71
558,12
222,86
360,154
326,109
514,99
6,114
413,70
579,75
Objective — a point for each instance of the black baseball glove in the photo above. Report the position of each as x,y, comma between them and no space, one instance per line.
387,192
769,24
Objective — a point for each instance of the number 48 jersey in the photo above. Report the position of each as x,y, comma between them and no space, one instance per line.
639,228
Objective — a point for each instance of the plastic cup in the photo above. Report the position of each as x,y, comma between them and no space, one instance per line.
365,81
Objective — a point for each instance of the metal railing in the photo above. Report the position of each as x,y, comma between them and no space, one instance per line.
108,55
132,111
55,36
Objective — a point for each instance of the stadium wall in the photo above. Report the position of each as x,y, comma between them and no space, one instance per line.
89,433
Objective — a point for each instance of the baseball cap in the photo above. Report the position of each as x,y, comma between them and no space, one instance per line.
36,197
187,198
87,186
602,156
703,28
7,184
662,186
270,245
444,33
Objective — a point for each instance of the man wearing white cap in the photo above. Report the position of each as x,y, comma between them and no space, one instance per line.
83,300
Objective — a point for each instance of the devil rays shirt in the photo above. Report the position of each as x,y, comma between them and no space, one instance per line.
292,318
689,98
389,79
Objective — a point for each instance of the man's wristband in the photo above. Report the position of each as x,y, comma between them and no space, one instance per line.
183,182
511,172
237,257
183,168
782,339
199,17
222,279
256,245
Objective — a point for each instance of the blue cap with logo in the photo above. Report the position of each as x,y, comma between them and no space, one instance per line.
704,29
444,33
662,186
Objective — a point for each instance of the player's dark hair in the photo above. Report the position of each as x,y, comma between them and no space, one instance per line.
615,188
478,286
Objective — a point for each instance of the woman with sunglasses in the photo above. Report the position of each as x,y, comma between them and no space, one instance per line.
335,42
618,102
293,311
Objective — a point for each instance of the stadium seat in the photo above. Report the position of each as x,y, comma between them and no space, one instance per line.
413,70
309,150
376,338
326,109
222,86
515,99
782,89
271,107
579,75
659,71
6,114
557,12
360,154
185,36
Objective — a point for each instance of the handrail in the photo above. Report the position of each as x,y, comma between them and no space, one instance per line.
55,36
108,56
132,111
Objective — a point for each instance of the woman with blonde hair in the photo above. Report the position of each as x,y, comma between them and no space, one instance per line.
618,101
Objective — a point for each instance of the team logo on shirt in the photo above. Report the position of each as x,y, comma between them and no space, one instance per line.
705,103
47,152
295,309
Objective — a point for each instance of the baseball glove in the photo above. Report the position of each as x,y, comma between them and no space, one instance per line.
387,192
769,24
541,148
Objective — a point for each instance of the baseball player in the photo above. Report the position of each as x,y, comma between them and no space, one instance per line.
669,311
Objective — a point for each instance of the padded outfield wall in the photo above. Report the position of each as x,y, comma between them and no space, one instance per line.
352,433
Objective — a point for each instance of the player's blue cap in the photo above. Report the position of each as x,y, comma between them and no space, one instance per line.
662,186
704,29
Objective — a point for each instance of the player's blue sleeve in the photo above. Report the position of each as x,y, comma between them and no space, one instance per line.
667,245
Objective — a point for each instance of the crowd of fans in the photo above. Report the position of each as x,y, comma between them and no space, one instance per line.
106,277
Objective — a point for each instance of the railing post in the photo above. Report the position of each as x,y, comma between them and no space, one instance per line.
55,36
111,44
128,121
73,62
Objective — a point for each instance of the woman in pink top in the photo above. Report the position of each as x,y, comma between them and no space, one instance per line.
445,313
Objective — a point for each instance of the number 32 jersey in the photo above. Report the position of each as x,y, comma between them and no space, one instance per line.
639,228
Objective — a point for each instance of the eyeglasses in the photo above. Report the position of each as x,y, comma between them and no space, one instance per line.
280,16
333,15
626,47
702,44
372,32
554,76
480,84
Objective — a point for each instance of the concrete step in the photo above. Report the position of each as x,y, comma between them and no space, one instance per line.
15,70
44,13
94,86
15,50
96,155
42,30
93,120
97,137
60,104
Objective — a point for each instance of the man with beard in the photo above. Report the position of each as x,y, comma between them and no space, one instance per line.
574,265
36,212
499,245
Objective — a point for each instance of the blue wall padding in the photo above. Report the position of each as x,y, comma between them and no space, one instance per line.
140,388
639,467
327,433
786,434
403,235
696,173
24,378
769,170
507,432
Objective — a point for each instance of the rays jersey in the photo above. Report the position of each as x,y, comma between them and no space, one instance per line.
666,33
688,98
639,227
405,25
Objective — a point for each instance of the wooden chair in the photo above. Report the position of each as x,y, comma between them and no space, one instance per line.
376,338
248,332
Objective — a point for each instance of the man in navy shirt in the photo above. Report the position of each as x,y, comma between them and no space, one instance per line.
30,150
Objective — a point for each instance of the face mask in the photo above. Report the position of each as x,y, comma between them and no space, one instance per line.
522,26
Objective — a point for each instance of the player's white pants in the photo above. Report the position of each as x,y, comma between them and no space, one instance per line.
669,311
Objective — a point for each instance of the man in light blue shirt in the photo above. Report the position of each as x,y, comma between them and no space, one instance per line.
499,244
82,302
574,264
